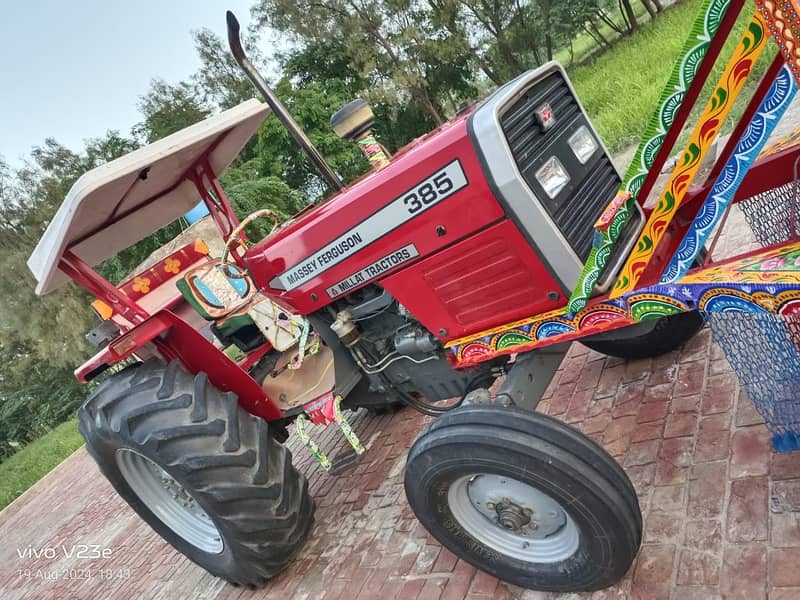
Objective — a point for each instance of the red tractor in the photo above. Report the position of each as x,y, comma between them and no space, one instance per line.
358,301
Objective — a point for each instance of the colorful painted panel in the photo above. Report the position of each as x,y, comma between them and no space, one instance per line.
616,215
790,140
779,265
705,132
540,331
766,282
164,270
784,25
652,303
755,136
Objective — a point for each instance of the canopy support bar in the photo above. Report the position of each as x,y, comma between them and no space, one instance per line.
101,288
217,202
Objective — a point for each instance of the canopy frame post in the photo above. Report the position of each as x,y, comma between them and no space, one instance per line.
101,288
217,202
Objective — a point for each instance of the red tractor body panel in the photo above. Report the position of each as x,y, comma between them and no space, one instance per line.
468,266
493,276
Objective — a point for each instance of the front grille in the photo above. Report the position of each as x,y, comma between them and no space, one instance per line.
591,187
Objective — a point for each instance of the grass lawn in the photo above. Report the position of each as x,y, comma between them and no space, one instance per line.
620,88
24,468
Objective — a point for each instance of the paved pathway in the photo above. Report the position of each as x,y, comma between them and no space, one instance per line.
721,511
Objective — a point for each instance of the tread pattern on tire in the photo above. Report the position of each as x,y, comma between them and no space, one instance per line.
572,441
506,428
226,457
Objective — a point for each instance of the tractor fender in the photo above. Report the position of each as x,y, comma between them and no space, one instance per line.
178,340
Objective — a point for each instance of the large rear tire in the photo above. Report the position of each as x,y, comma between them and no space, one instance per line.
207,476
649,338
525,498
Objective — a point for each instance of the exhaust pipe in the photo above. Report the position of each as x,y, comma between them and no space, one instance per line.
277,106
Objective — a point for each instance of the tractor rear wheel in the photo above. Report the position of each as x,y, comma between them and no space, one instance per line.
648,338
207,476
525,498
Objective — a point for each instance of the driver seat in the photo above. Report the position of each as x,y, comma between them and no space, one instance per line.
223,293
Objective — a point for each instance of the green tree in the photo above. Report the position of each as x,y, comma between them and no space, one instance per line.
390,41
41,338
168,108
328,67
312,106
219,79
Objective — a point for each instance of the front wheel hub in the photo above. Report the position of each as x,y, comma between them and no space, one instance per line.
513,518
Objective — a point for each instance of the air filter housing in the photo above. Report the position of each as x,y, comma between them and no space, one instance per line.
353,120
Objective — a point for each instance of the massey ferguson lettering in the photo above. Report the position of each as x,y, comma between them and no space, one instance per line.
373,270
308,269
427,193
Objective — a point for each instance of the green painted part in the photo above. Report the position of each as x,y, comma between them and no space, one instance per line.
694,50
230,325
652,309
188,295
786,262
512,339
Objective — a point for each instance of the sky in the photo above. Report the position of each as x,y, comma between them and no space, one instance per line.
73,69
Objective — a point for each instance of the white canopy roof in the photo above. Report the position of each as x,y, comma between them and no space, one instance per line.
121,202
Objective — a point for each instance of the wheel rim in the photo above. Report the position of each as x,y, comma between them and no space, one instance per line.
513,518
169,501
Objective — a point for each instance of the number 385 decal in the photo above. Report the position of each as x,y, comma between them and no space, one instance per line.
435,188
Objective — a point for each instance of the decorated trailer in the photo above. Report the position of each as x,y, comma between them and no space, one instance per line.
449,278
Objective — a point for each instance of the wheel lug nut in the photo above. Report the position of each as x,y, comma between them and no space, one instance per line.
490,505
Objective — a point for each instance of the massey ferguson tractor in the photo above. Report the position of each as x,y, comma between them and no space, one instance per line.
450,278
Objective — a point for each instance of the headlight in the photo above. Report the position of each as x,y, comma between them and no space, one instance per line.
552,176
582,144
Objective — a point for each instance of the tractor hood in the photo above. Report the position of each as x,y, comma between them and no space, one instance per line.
121,202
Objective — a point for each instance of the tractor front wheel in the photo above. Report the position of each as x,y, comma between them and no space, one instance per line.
525,498
207,476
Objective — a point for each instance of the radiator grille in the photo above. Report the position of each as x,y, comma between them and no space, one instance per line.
591,187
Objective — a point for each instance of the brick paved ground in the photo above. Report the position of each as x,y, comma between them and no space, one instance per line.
721,511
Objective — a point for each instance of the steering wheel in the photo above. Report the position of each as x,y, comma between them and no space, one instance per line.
236,233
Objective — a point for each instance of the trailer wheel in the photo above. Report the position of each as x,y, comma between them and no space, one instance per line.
525,498
648,338
207,476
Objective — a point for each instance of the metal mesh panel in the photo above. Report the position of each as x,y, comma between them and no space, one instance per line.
760,348
769,214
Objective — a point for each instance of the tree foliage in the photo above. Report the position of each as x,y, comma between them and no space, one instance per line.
219,80
168,108
415,61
